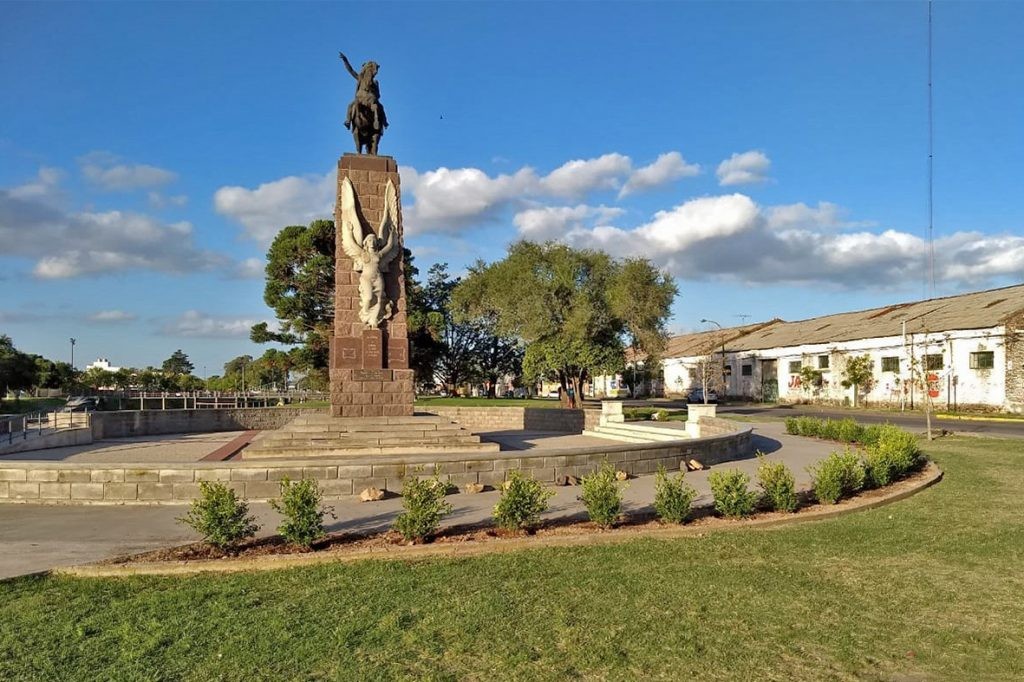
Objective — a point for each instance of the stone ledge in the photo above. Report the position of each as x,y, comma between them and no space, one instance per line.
138,483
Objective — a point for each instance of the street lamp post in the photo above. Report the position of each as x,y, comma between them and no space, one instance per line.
73,341
725,386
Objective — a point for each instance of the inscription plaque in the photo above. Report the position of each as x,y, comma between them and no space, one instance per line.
373,356
372,374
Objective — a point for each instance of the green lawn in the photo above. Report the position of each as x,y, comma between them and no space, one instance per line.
26,405
927,588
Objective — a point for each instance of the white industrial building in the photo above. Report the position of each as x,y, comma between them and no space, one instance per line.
969,348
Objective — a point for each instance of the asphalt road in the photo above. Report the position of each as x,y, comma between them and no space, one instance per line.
912,421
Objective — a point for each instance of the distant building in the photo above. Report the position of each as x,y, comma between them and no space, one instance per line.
970,347
102,363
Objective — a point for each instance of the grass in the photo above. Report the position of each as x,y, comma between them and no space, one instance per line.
927,588
26,405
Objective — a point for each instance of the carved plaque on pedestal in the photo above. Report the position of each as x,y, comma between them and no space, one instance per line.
345,353
373,353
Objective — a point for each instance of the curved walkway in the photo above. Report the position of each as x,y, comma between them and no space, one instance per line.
39,537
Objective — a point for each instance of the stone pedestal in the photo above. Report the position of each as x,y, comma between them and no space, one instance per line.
370,375
694,412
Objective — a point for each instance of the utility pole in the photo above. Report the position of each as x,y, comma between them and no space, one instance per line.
73,353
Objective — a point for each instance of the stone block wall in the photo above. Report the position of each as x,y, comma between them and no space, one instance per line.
79,483
483,419
129,423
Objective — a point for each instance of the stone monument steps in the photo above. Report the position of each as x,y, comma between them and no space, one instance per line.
321,419
295,440
327,451
375,428
322,435
631,432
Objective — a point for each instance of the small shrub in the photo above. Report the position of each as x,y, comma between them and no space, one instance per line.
425,506
661,415
634,414
602,496
793,426
732,498
778,484
892,456
848,431
220,517
672,496
829,430
301,505
869,434
522,502
838,475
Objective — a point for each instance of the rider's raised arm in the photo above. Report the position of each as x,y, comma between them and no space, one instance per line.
348,66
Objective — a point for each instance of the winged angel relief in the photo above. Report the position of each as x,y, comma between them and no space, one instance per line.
371,254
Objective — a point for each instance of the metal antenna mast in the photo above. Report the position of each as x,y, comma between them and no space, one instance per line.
931,237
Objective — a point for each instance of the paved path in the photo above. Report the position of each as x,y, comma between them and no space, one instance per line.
39,537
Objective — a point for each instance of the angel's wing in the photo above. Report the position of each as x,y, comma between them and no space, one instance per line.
351,228
389,227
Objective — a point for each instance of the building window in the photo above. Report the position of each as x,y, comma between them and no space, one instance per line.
891,364
728,370
985,359
822,362
693,374
747,370
794,367
933,362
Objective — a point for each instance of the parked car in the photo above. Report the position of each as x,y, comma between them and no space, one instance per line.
696,395
81,404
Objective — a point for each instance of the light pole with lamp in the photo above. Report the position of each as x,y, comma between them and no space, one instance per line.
725,386
73,341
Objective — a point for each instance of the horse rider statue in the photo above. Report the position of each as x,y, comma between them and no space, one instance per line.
365,117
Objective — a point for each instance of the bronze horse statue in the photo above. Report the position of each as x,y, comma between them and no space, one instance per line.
365,118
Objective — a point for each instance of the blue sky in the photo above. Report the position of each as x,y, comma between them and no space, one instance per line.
771,156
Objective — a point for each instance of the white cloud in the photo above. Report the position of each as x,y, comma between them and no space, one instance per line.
450,199
273,205
731,238
45,187
668,167
250,268
744,169
111,316
800,216
69,244
552,222
195,324
577,178
107,172
159,200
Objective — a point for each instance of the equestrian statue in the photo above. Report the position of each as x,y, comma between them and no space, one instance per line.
365,117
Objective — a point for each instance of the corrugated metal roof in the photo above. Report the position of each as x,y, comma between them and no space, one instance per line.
976,310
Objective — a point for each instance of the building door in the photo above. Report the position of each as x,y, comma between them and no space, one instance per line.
769,381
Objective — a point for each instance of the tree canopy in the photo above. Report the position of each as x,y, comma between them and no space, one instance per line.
178,363
576,310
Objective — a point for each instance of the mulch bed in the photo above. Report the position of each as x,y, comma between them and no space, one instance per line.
701,519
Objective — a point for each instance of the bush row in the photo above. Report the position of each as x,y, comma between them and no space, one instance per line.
224,521
842,430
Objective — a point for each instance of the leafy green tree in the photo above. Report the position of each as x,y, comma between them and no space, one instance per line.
466,348
573,308
17,369
858,374
55,374
300,290
97,378
177,364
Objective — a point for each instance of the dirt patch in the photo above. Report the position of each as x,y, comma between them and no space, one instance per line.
274,552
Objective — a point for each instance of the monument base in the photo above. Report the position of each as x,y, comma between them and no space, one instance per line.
321,435
372,393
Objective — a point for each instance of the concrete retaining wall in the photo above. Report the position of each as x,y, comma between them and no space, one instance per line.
481,419
73,483
127,423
